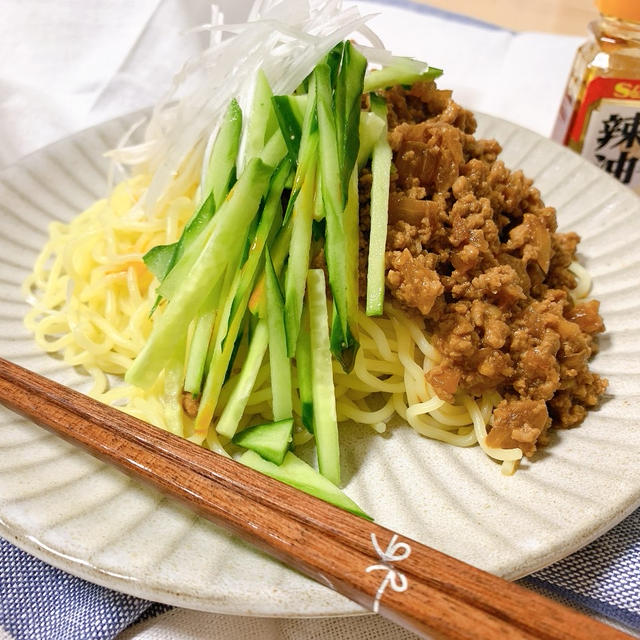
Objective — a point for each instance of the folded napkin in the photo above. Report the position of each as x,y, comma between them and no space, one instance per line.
70,64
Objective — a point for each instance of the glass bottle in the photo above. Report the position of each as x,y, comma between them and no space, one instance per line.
600,113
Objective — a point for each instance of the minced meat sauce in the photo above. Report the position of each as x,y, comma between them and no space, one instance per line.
472,248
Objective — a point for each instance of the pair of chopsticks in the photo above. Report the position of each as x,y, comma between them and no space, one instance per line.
420,588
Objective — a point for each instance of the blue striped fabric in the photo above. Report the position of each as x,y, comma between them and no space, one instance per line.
39,602
604,577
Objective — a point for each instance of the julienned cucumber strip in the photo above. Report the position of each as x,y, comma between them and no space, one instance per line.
329,164
297,473
279,248
381,172
338,125
325,422
232,413
161,259
275,150
289,125
370,130
279,363
158,259
222,349
173,377
236,212
180,270
270,440
348,97
402,71
199,346
198,352
222,162
259,126
304,370
345,346
270,222
299,250
347,100
196,225
307,150
328,152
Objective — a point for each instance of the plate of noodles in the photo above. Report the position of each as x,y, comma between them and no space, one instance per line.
445,386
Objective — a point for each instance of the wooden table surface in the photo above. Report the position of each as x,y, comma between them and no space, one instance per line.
553,16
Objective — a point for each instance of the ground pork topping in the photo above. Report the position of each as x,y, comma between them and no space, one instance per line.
473,249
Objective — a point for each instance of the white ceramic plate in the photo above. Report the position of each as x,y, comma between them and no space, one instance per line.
87,518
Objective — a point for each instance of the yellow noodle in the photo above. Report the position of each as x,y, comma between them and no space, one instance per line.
406,353
391,385
348,410
358,396
583,280
301,437
427,426
452,409
481,433
377,335
383,367
258,397
369,345
416,333
425,407
508,467
453,420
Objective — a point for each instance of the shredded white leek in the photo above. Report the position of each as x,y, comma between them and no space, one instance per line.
284,38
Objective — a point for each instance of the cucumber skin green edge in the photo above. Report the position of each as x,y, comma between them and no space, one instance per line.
324,400
379,213
297,473
161,259
329,174
305,370
259,116
338,126
222,161
234,409
298,262
289,126
271,441
395,74
237,210
279,363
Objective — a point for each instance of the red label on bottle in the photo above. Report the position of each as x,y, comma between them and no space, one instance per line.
607,128
598,88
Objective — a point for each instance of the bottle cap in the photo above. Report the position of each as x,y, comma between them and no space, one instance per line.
623,9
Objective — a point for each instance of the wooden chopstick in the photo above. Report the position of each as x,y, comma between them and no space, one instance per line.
420,588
